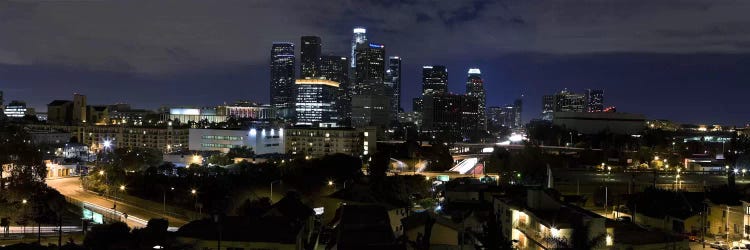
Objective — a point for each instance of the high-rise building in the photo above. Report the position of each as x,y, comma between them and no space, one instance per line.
563,101
282,79
309,56
450,116
594,100
434,79
370,69
360,37
336,68
79,108
371,108
548,107
566,101
503,116
393,82
475,88
517,110
315,103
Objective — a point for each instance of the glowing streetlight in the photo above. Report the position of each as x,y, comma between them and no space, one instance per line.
107,144
193,191
330,183
101,172
736,171
24,201
426,178
122,187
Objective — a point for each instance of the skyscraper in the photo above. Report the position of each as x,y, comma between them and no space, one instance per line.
517,110
370,101
393,82
475,88
360,37
449,116
594,100
434,79
282,79
548,107
370,68
315,101
336,68
563,101
309,56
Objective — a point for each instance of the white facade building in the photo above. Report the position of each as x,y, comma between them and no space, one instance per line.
261,140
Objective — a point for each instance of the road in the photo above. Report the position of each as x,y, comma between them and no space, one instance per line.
138,211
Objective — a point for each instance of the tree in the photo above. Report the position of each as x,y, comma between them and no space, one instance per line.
254,208
106,236
379,166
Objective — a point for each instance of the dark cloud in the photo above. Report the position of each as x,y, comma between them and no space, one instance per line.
115,50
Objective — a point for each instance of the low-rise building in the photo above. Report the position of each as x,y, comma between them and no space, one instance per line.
261,140
596,122
48,137
163,138
318,141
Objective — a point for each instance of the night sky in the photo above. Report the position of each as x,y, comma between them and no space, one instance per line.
687,61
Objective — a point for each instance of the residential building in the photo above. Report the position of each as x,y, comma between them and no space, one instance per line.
315,102
541,221
262,140
363,227
282,79
317,141
287,225
310,53
49,137
163,138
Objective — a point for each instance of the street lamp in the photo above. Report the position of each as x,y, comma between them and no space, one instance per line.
122,187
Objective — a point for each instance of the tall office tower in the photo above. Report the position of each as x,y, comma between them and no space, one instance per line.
360,37
449,116
309,56
517,109
315,102
370,67
416,104
79,108
336,68
282,79
434,79
2,101
594,100
566,101
503,116
475,88
548,107
393,82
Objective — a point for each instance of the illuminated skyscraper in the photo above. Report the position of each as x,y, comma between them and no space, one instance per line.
310,56
434,80
360,37
393,82
594,100
475,88
370,67
336,68
282,79
315,101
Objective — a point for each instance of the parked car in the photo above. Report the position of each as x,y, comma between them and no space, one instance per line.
739,248
718,245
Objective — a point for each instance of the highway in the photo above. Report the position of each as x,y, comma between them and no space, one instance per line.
138,211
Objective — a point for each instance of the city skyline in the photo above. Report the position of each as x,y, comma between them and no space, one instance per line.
642,77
